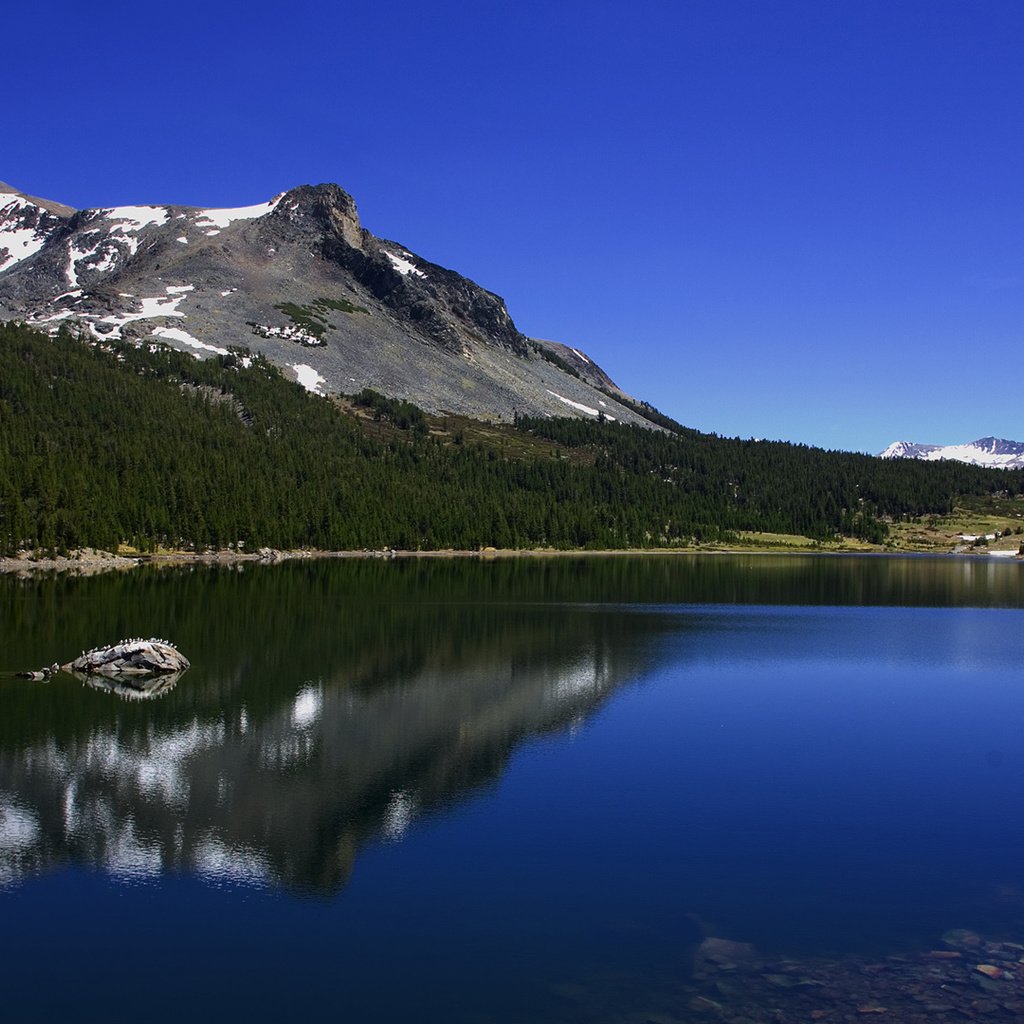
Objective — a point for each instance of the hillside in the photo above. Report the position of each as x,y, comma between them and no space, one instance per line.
117,444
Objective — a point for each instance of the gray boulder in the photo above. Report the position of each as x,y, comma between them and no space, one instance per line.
131,658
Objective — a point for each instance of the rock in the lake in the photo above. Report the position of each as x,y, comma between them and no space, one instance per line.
989,970
725,951
41,675
131,658
962,937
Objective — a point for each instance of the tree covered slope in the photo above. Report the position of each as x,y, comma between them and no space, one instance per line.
101,446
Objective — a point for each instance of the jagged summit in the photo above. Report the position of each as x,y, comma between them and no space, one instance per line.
301,281
995,452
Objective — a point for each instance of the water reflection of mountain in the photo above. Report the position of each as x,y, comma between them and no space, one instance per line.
330,703
256,767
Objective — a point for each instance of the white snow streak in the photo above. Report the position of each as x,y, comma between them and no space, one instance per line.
404,266
184,338
589,410
135,218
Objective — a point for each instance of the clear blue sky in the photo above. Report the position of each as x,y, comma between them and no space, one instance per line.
771,218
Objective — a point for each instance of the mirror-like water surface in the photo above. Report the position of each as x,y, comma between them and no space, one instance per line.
503,791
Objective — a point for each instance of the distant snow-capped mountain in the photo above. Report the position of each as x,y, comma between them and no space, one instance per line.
994,452
298,280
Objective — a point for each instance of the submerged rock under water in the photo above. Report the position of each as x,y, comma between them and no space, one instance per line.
969,978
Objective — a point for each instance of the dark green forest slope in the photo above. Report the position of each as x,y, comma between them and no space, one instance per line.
150,447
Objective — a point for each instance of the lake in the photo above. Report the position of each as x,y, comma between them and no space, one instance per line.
519,790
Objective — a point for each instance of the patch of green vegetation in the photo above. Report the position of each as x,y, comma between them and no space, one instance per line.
341,305
404,415
648,411
978,515
313,318
551,357
304,317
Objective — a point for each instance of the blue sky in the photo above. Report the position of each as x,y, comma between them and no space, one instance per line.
792,219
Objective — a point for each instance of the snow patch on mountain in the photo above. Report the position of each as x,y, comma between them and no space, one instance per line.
184,338
309,378
159,305
78,253
20,236
907,450
132,219
403,265
589,410
110,236
220,219
156,306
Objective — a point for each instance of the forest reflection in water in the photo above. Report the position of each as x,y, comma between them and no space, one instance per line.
794,750
329,704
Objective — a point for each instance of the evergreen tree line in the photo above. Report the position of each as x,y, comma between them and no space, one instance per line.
101,446
781,487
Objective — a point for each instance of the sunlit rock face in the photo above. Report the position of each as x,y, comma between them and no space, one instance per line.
300,281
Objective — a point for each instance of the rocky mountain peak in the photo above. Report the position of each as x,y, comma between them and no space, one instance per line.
995,452
325,209
300,281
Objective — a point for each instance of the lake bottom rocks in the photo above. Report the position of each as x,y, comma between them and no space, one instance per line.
969,979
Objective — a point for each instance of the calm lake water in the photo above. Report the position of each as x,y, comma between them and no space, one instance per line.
502,791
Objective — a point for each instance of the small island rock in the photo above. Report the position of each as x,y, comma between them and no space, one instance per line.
131,657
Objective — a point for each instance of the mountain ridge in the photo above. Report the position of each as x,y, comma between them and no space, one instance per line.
992,452
299,280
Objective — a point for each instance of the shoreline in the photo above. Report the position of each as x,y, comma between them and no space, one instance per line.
91,562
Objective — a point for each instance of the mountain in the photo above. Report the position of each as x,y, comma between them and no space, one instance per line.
300,281
993,452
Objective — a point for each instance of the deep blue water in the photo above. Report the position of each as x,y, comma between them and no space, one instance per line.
441,799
